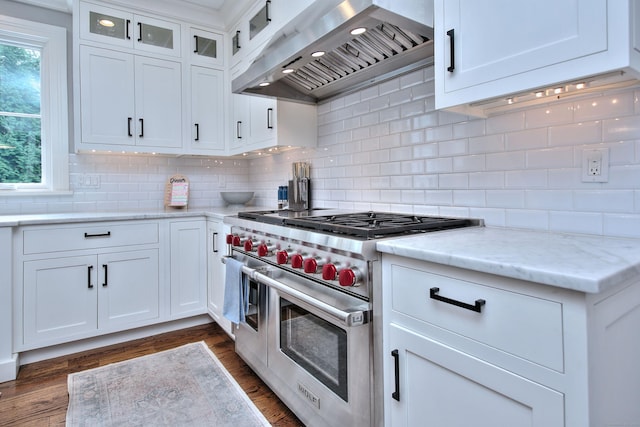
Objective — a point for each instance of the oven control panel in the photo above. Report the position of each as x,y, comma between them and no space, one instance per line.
328,266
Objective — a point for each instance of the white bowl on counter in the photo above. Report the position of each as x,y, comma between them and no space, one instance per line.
236,198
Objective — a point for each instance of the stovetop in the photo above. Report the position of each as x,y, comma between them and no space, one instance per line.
362,225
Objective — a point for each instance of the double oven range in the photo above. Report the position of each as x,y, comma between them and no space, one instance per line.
313,325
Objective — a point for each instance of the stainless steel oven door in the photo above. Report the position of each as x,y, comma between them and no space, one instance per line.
251,335
322,359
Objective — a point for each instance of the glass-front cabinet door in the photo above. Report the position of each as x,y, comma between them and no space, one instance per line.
207,48
125,29
260,20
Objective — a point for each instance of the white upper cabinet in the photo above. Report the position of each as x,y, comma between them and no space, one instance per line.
207,111
129,101
124,29
261,123
496,48
207,48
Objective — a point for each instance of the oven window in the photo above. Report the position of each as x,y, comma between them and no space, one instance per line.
315,345
251,316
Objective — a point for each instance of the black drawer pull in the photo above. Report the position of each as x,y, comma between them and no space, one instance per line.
88,236
89,268
452,51
106,275
477,307
396,393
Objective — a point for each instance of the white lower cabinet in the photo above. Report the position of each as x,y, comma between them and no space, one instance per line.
438,385
465,348
82,280
215,251
188,268
66,298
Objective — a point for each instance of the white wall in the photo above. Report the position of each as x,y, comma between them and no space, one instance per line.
385,148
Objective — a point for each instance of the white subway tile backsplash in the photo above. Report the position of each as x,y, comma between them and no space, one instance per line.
552,158
509,160
620,129
606,106
549,115
526,139
576,222
386,148
578,133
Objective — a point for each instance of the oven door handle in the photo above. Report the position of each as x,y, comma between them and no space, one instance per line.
346,318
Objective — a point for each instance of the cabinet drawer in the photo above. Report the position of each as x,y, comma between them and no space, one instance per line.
521,325
54,239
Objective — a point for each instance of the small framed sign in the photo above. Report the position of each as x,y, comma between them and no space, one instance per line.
176,192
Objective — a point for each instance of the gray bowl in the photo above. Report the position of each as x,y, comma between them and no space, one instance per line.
239,198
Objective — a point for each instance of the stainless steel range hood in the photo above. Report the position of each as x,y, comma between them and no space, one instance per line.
398,39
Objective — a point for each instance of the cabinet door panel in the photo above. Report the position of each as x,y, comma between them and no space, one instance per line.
158,102
106,25
440,386
188,267
207,112
59,298
493,41
263,119
106,95
129,287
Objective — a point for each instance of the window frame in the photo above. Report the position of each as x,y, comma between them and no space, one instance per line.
54,107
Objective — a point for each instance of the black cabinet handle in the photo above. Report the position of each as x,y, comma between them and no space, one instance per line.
214,246
269,118
268,6
238,136
128,35
196,49
141,128
477,306
129,119
139,31
88,236
396,356
197,132
452,51
106,271
237,38
89,269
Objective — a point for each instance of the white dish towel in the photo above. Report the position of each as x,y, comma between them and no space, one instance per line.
236,291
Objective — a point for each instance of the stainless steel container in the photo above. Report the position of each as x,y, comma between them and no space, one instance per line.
299,187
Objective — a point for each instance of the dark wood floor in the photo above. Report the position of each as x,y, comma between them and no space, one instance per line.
38,397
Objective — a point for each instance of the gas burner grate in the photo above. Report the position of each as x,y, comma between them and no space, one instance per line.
372,225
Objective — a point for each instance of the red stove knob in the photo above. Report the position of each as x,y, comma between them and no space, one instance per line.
236,241
296,261
250,245
329,272
264,249
282,257
310,265
229,239
348,277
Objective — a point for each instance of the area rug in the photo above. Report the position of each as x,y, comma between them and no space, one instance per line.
185,386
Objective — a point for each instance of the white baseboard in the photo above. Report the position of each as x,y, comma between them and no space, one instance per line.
9,369
40,354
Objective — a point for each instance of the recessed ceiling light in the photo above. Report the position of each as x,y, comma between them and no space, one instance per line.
317,54
106,22
581,85
358,31
263,84
288,71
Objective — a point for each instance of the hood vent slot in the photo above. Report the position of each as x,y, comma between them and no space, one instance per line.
377,44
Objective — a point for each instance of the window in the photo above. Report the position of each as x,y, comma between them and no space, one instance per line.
33,107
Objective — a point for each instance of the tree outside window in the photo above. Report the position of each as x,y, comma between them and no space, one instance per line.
20,120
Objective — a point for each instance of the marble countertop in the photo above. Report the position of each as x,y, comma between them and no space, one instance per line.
580,262
61,218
